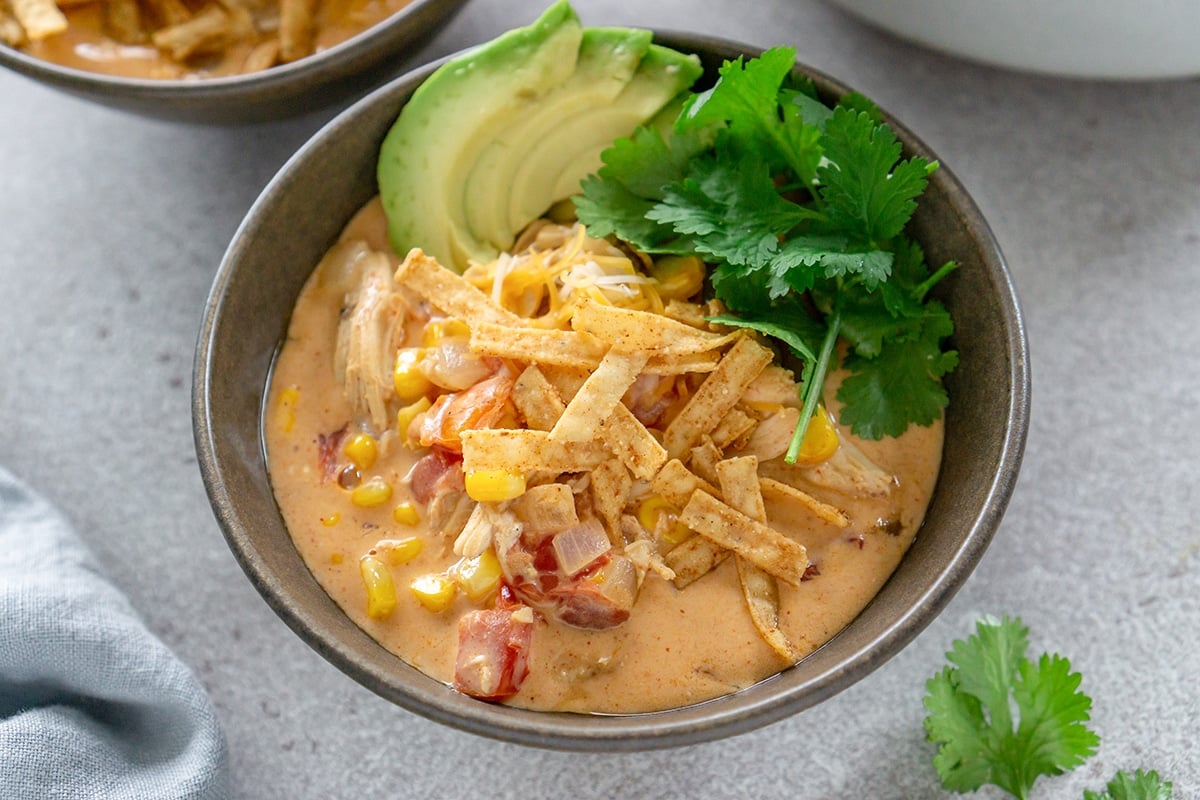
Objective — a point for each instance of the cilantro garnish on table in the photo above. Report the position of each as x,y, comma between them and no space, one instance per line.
1000,718
1139,785
801,210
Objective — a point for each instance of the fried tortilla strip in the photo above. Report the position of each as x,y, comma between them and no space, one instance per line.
168,12
693,558
825,512
765,548
718,394
263,55
598,396
38,18
540,346
548,508
536,400
11,32
738,478
740,486
565,380
628,438
241,21
734,429
704,460
680,365
526,451
449,292
676,483
123,21
203,33
610,486
685,312
629,330
296,30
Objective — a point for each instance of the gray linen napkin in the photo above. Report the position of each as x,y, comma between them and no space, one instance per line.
92,704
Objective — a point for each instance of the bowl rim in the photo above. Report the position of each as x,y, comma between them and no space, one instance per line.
732,714
333,62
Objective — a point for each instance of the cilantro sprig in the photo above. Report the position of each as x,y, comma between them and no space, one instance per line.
1000,718
801,210
1138,786
1003,719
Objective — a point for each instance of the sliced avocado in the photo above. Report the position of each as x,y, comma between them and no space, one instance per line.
608,59
449,119
571,151
492,139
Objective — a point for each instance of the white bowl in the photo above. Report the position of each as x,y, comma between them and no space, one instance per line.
1112,39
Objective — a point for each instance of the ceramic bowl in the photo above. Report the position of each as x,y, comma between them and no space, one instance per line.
1102,39
300,214
332,76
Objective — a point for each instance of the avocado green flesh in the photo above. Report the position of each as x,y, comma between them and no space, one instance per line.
572,150
608,60
494,138
419,155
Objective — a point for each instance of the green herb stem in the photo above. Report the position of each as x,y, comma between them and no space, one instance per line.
814,383
923,288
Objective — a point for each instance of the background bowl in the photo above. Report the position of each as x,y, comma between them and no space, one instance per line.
300,214
1115,39
331,76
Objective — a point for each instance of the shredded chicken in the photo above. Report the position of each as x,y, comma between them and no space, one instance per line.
370,332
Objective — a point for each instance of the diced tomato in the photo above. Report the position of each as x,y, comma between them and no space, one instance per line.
480,406
493,653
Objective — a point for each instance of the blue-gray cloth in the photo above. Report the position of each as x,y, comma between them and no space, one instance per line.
92,705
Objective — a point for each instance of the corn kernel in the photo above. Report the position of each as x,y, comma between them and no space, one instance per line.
381,591
678,277
362,449
435,592
399,551
287,408
820,440
374,492
331,520
410,382
479,577
406,415
439,330
494,485
406,514
650,512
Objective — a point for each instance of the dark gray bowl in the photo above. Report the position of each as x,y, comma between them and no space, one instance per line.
331,76
300,214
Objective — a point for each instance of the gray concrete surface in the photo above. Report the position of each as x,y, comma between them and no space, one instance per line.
112,226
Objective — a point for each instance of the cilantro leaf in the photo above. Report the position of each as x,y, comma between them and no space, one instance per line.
796,330
1138,786
868,190
746,99
616,200
971,705
729,209
902,383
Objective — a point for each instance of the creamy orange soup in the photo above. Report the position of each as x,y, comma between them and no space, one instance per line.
660,648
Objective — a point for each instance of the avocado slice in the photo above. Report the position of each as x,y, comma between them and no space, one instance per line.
495,137
571,151
608,59
448,121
